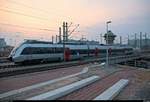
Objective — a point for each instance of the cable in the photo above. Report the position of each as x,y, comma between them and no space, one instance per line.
35,9
14,12
28,27
40,21
73,30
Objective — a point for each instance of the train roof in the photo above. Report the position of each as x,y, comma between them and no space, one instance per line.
36,42
42,43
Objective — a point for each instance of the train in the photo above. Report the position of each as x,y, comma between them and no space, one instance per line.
39,51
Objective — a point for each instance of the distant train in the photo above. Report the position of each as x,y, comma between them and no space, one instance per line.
38,51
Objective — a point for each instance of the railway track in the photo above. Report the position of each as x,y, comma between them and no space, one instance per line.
4,60
13,65
17,69
36,68
7,65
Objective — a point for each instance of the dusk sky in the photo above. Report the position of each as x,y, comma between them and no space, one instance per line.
25,19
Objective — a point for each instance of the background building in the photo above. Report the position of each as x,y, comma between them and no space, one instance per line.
2,42
4,48
144,43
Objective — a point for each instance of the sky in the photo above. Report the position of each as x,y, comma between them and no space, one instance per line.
40,19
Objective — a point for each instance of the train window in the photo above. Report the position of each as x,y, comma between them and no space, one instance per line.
74,52
91,51
58,50
83,51
101,51
80,51
26,51
41,50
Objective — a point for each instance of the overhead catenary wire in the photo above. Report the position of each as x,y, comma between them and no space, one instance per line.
18,13
13,25
7,9
41,21
73,30
35,9
27,15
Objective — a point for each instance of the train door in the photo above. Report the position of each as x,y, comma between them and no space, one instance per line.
30,51
96,52
67,54
88,51
110,51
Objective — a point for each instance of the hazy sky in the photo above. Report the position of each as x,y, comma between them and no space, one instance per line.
26,19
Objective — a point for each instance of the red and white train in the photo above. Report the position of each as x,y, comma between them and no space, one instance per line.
37,51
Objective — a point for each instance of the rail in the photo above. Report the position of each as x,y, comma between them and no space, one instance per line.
36,68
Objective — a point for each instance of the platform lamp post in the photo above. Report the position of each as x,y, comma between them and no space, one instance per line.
107,62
